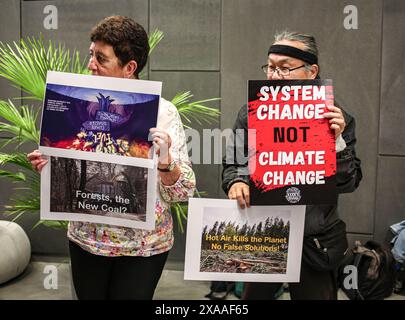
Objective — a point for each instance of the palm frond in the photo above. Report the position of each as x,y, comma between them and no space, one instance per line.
18,176
27,201
25,64
52,224
179,211
154,38
181,98
21,121
195,111
23,204
200,194
19,159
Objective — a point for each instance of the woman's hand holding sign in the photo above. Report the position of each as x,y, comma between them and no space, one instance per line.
336,120
37,161
162,142
169,171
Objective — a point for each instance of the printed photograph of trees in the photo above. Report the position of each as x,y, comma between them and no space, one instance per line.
98,188
257,245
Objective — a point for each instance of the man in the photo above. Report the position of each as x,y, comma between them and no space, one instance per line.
295,56
110,262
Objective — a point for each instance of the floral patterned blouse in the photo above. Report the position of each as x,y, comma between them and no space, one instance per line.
109,240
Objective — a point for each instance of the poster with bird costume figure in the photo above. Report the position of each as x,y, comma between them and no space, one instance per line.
99,118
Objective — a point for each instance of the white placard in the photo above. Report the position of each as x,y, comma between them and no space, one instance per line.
256,244
99,118
112,194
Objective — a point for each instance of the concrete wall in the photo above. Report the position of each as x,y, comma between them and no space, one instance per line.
212,47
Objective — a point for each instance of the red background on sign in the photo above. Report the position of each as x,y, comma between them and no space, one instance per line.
319,137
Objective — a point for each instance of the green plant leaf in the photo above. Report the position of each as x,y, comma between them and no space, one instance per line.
25,64
154,38
20,122
19,159
195,111
23,204
51,224
179,212
18,176
28,196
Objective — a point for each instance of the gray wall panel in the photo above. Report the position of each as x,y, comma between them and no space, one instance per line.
9,32
192,34
203,85
76,18
393,80
10,20
357,81
390,204
247,33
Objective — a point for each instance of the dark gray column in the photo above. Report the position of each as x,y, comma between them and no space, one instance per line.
192,34
76,18
9,32
390,204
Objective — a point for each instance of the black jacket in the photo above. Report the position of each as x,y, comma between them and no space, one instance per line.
318,218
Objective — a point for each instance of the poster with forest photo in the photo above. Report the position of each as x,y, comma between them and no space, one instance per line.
261,244
99,192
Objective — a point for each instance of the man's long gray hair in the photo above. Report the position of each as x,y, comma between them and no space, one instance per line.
306,39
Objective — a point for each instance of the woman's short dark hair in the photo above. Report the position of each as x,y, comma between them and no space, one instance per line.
128,39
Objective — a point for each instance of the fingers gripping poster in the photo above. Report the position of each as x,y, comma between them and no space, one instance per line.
294,155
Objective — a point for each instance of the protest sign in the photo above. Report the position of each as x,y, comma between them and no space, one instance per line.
259,244
99,118
294,156
98,192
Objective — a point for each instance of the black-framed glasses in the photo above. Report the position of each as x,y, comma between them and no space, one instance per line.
283,71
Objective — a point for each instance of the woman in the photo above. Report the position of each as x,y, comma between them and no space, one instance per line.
110,262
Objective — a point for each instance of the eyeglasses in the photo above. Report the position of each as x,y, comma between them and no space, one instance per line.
283,71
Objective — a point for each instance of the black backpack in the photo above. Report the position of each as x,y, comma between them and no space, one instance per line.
375,272
219,290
